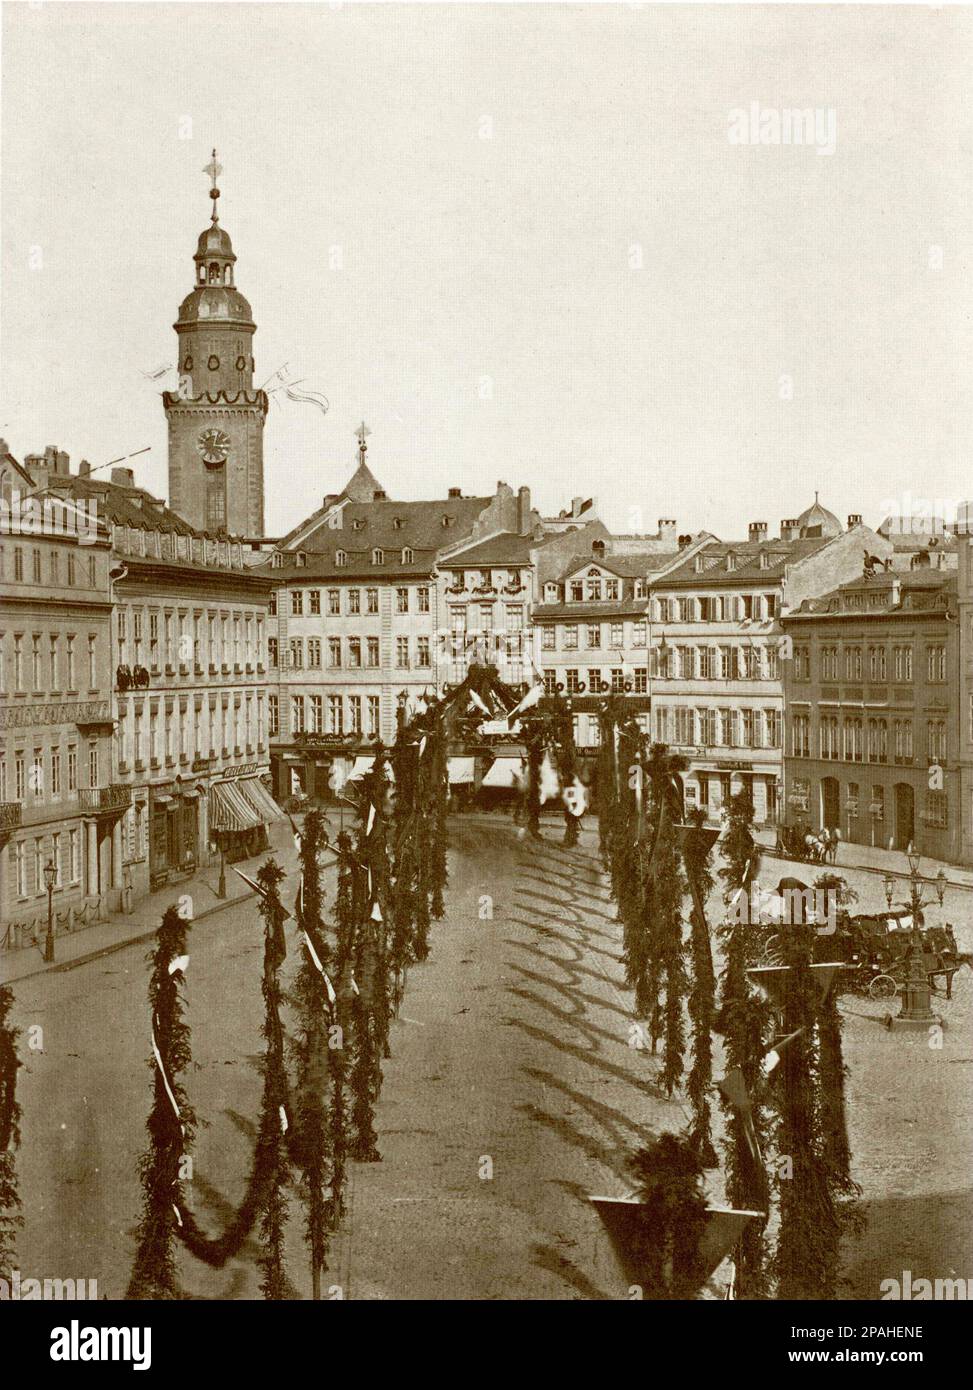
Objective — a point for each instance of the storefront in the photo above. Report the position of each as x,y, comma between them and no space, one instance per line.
240,809
173,831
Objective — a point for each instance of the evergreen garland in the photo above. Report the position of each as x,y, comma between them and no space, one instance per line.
806,1258
665,890
171,1134
745,1021
311,1146
344,915
10,1218
702,997
668,1177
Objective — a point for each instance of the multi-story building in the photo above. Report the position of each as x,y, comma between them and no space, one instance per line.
715,672
874,728
360,618
189,657
591,629
60,804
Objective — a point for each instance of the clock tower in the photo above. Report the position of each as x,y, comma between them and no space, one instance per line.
216,418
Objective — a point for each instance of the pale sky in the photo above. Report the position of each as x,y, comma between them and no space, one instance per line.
490,174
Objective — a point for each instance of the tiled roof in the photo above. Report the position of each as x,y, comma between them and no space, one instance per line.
919,590
127,506
748,568
505,548
390,527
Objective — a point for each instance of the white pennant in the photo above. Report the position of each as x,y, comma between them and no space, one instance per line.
283,1119
178,963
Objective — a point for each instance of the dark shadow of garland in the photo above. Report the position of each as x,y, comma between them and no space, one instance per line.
10,1218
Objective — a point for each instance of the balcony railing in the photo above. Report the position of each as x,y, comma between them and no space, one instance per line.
10,815
115,797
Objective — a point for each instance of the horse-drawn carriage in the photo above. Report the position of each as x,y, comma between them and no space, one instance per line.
806,846
875,948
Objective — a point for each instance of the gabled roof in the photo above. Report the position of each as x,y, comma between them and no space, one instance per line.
748,567
362,485
505,548
128,506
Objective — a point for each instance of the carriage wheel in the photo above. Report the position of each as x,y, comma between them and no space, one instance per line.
882,987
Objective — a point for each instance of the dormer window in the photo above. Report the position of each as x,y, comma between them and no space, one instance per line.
378,557
340,558
407,556
300,559
398,523
277,560
764,560
594,590
577,591
447,520
550,593
700,564
358,524
731,561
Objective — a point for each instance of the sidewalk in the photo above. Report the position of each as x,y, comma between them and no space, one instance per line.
125,929
882,861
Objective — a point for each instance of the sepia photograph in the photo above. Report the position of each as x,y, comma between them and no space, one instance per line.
486,664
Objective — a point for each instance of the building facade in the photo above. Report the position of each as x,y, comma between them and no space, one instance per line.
189,683
717,651
874,728
60,803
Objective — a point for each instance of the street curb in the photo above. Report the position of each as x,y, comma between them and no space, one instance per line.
63,967
771,852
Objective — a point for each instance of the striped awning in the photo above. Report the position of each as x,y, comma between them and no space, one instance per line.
242,804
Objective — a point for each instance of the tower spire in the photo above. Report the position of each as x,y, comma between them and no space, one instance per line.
214,169
362,433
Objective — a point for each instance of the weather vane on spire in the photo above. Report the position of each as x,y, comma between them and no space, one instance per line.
362,433
214,169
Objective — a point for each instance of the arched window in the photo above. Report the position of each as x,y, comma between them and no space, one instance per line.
378,557
340,558
214,273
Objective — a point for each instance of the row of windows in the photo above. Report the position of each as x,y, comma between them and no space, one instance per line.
63,849
935,811
715,608
167,731
70,568
566,635
729,662
594,589
350,653
49,662
405,556
31,776
303,601
332,714
858,740
718,728
853,662
593,678
178,635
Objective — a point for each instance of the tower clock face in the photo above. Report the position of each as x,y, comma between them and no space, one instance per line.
213,445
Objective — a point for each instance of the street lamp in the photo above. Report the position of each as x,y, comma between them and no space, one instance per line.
50,874
916,1011
889,889
221,888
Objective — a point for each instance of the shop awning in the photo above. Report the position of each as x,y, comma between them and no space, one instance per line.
461,771
255,791
241,805
504,772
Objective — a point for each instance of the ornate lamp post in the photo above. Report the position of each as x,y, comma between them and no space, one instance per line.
50,874
916,1011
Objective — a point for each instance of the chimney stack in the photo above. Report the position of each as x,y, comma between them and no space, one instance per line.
854,519
455,492
667,528
788,529
963,525
123,477
758,531
84,468
523,510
